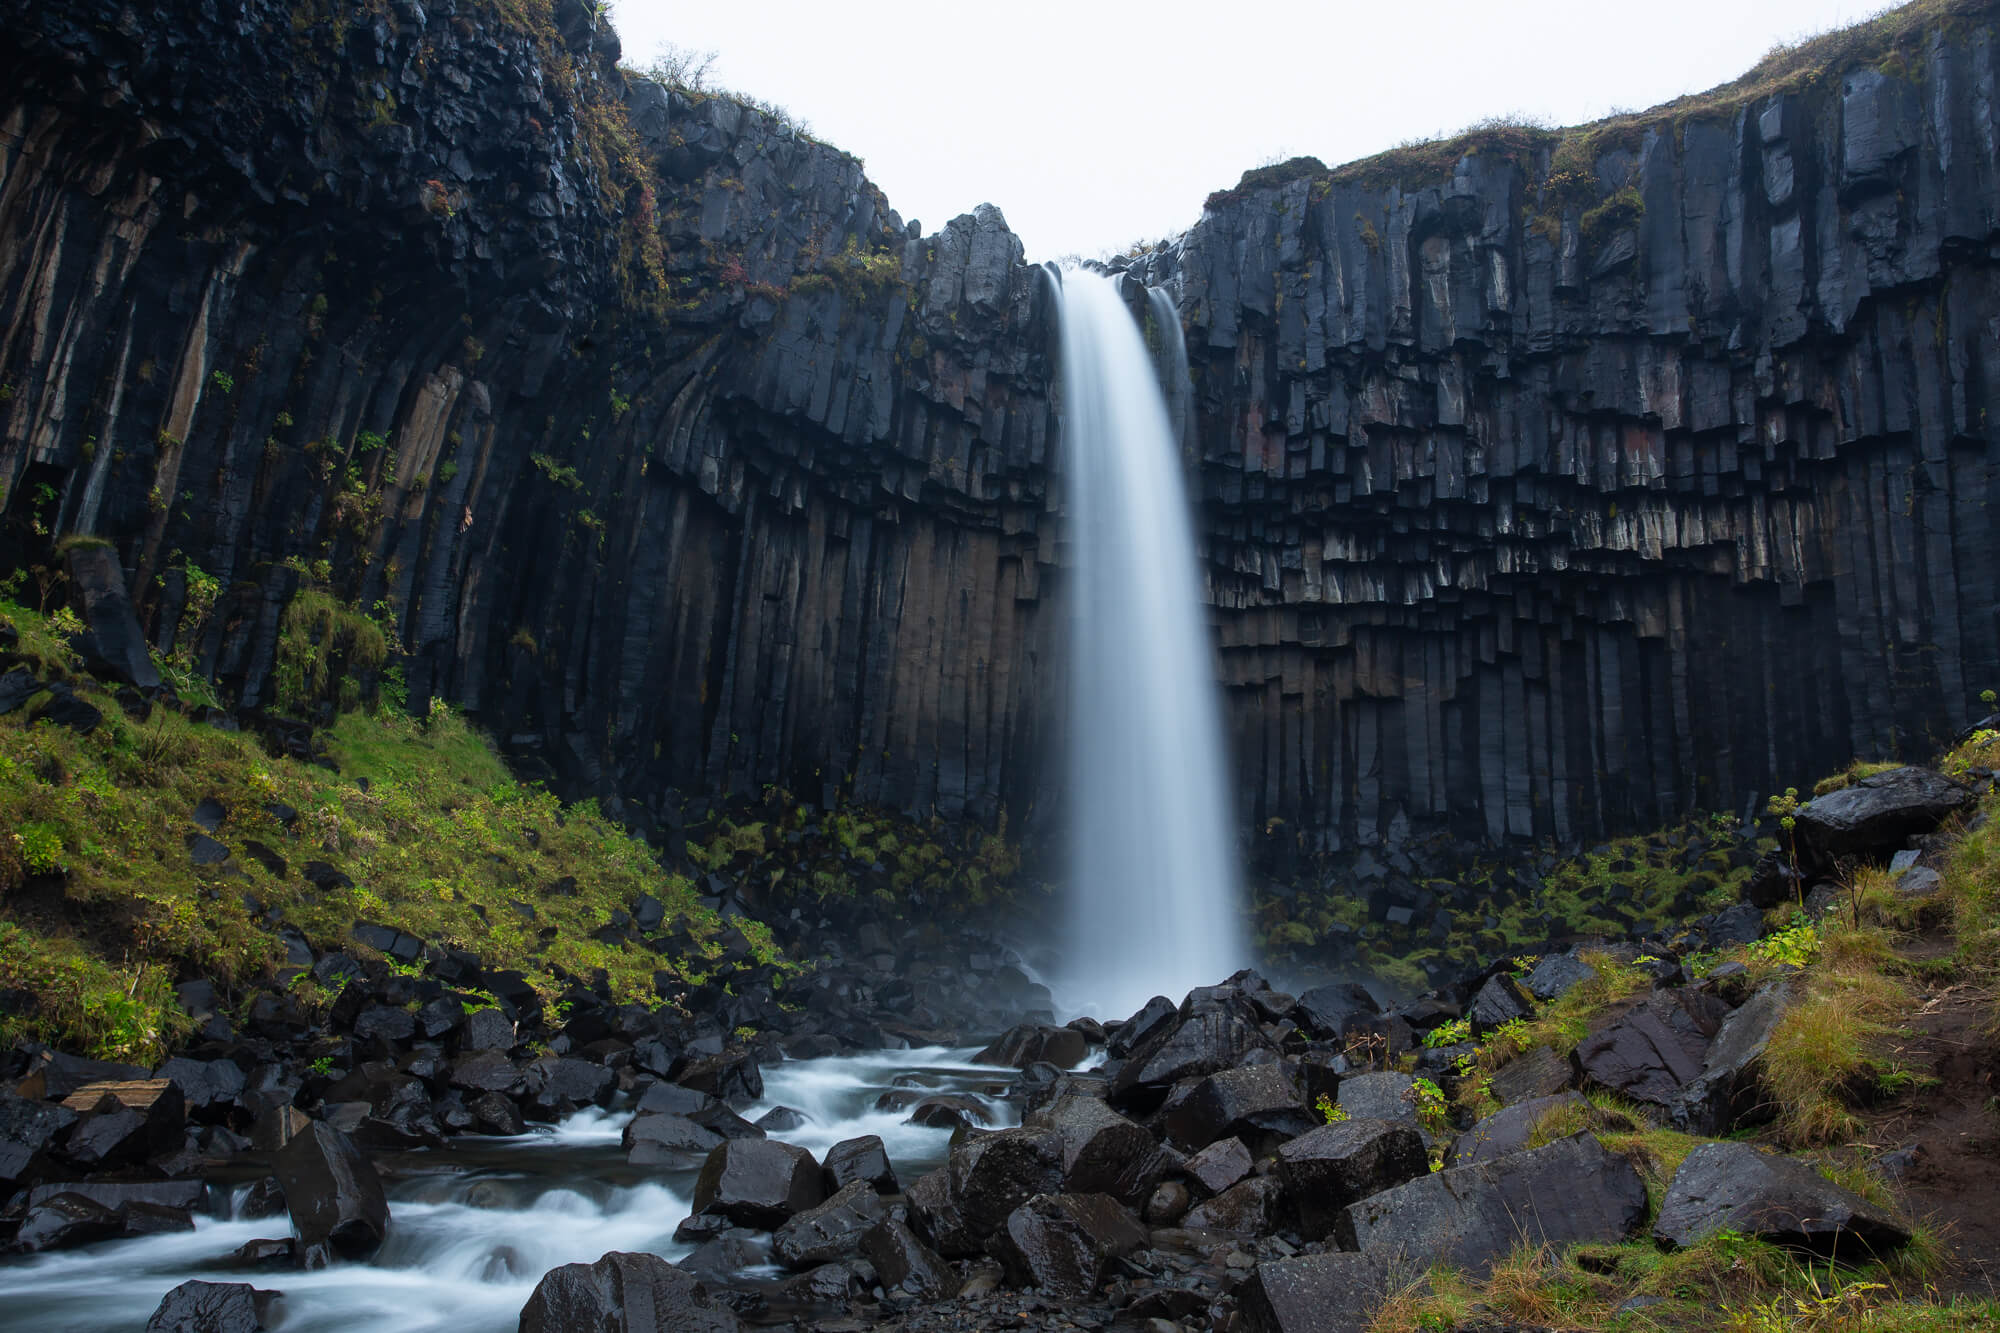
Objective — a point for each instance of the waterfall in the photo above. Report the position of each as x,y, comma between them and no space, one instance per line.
1153,888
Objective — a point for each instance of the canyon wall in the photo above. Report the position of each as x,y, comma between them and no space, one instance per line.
1543,491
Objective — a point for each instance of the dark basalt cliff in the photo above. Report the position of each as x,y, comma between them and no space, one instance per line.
1543,492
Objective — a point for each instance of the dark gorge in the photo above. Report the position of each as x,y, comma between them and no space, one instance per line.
1549,485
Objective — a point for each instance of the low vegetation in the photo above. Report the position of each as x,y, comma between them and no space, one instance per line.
417,825
1859,973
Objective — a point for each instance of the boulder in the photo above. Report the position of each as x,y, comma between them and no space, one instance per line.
486,1030
830,1230
29,1131
993,1174
758,1182
217,1307
860,1159
829,1284
1640,1057
730,1076
1328,1011
1156,1016
1060,1244
1255,1103
1024,1045
1736,1187
935,1216
905,1264
1314,1293
1218,1166
209,1088
624,1293
781,1120
335,1198
1206,1043
949,1110
660,1138
63,1222
1876,815
1507,1130
1535,1072
1250,1207
125,1120
1556,975
1725,1093
721,1257
1500,1000
1102,1151
1571,1191
1386,1095
1344,1162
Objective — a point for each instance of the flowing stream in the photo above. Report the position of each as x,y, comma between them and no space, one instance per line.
1153,895
475,1225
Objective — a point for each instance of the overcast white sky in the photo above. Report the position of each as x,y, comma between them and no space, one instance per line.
1093,125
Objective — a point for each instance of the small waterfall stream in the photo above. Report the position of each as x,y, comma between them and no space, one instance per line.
476,1225
1153,894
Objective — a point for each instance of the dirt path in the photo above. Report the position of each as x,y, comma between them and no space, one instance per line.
1954,1126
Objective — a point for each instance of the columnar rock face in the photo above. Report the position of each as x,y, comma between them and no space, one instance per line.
1540,494
1533,512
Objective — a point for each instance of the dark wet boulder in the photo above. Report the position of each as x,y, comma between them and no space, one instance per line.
486,1030
1344,1162
830,1230
393,1025
255,1255
560,1085
1726,1092
1218,1166
624,1293
1876,815
905,1265
1640,1057
495,1113
1501,1000
335,1198
29,1131
1102,1151
1535,1072
860,1158
209,1088
730,1076
935,1216
217,1307
1206,1043
55,1075
781,1120
1314,1293
1060,1244
1255,1103
1507,1130
63,1222
950,1110
659,1138
993,1174
832,1284
723,1256
1571,1191
1252,1207
1556,975
1328,1011
1169,1203
125,1121
485,1071
1736,1187
758,1182
1154,1017
1024,1045
1383,1095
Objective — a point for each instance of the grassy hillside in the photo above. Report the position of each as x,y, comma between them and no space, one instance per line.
1893,1037
103,907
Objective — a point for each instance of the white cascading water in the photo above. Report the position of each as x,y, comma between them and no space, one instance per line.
1153,875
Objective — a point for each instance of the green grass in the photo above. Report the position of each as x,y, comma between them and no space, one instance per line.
439,845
